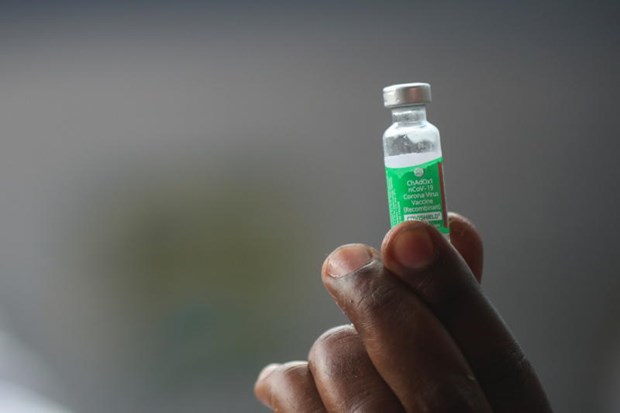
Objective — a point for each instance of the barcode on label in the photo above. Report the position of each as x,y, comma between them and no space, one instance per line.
429,216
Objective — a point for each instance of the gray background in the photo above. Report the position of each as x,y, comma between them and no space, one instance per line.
174,174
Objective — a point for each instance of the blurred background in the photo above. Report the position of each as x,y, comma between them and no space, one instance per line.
173,174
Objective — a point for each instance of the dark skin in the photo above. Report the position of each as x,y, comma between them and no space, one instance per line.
423,338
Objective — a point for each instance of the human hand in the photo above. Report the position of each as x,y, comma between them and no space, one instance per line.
424,337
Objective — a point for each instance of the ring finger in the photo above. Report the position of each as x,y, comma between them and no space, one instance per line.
288,388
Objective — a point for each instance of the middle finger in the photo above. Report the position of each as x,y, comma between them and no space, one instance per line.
345,377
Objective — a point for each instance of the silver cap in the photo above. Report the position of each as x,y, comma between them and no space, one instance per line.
406,94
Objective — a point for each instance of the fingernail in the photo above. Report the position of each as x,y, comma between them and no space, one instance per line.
347,259
413,248
267,371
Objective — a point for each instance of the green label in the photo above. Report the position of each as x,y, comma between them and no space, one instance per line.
416,193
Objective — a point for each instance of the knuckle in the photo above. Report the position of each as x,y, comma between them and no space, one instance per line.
291,372
332,348
381,301
292,389
292,375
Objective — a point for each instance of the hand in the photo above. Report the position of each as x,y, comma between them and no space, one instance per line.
424,337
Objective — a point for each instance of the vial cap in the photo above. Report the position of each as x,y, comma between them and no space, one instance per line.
405,94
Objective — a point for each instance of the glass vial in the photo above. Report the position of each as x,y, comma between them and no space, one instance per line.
413,159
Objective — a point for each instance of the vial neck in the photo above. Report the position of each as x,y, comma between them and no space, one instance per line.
409,114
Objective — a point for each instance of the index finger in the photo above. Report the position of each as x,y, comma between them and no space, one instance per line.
408,346
421,257
465,238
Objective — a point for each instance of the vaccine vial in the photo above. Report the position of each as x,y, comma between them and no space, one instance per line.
413,158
